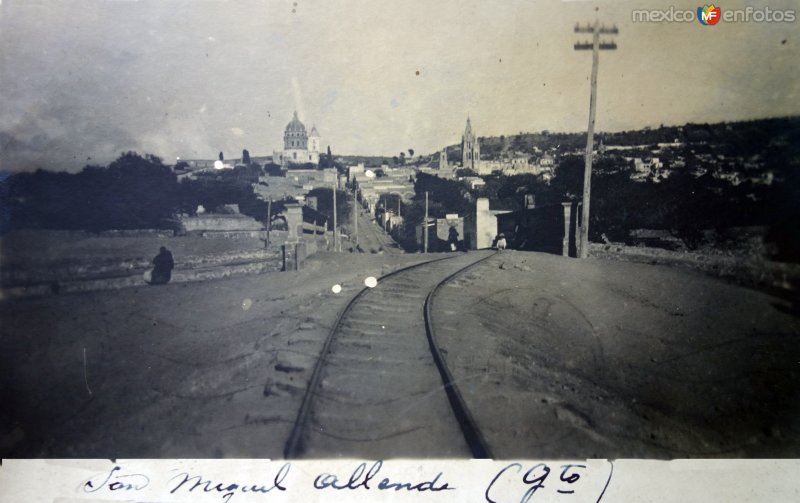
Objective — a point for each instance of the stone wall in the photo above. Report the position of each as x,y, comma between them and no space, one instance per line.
215,222
128,233
77,276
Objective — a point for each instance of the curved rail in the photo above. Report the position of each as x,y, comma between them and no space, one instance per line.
296,443
469,428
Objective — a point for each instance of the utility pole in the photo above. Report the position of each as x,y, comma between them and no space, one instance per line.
425,226
355,216
269,222
335,230
595,46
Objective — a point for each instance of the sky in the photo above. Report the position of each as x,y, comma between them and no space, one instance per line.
83,80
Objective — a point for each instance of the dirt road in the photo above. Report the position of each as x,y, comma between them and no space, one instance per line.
371,237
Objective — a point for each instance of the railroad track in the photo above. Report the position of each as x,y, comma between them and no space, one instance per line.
381,387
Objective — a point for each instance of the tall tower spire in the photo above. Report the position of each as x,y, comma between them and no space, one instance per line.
313,140
470,149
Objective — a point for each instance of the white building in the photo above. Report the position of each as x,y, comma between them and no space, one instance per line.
299,147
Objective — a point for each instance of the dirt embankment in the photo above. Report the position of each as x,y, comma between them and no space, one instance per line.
779,277
569,358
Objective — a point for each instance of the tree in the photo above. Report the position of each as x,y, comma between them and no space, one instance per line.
133,192
221,157
324,197
411,152
272,169
245,157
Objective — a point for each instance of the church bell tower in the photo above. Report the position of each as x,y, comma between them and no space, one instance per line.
470,149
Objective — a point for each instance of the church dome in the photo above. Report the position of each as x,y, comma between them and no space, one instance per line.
295,126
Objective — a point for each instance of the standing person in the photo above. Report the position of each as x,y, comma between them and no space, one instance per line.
162,270
452,239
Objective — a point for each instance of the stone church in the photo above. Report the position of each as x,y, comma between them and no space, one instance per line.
470,149
299,147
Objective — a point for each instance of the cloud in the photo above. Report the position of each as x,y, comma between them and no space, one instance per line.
147,76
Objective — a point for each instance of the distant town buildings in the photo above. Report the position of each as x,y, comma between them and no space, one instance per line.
299,147
398,181
509,164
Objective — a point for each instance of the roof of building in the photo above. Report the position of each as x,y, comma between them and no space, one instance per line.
295,125
314,131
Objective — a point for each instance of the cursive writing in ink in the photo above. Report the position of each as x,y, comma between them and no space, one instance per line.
115,481
192,482
569,478
534,478
362,477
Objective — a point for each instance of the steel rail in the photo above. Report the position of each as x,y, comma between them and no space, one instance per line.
295,446
469,428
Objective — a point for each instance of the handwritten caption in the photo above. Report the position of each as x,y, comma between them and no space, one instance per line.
512,482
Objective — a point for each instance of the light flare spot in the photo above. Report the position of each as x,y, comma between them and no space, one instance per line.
371,282
247,304
336,288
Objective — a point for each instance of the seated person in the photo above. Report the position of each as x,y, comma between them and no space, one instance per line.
162,270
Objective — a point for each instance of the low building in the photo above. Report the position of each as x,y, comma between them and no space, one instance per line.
311,178
356,172
395,181
474,181
444,234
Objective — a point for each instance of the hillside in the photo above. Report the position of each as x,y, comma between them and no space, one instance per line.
747,138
